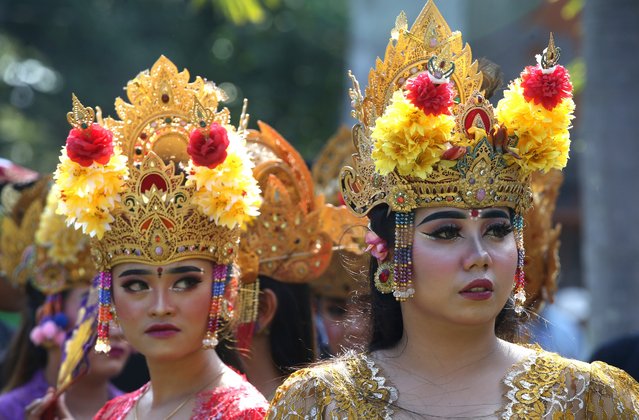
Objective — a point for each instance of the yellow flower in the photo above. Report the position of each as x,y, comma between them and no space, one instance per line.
543,137
62,242
228,193
87,195
408,140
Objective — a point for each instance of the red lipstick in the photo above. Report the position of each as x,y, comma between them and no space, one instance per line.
480,289
162,330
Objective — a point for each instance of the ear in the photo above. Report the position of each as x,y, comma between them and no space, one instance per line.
267,307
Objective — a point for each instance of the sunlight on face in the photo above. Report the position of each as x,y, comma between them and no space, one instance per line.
464,264
163,310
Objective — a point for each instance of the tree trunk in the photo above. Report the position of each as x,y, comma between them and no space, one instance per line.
609,166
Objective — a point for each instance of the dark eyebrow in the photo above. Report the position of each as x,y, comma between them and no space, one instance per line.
455,214
185,269
449,214
135,272
494,214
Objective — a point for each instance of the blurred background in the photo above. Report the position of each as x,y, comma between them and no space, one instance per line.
290,59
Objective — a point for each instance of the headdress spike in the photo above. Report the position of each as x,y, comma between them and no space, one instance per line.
80,116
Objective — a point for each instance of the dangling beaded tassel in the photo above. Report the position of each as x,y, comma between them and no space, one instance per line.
220,274
248,299
403,256
102,344
520,281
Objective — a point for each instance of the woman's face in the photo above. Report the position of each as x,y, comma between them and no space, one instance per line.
464,264
163,310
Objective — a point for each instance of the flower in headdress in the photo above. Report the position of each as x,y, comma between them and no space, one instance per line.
88,194
208,149
88,145
227,193
408,140
431,98
546,87
542,134
376,246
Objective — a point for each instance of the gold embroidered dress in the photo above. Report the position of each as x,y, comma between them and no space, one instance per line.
542,386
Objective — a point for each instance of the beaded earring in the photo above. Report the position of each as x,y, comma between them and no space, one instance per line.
221,274
403,256
105,316
520,281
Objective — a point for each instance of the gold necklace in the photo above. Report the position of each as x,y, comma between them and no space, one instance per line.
176,409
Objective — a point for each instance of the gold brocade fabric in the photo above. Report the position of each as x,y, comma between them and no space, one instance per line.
542,386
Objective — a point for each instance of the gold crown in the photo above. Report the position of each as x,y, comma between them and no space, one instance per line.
409,155
289,241
22,210
347,231
165,201
541,237
61,254
336,153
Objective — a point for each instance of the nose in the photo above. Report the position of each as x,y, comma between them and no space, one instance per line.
162,304
477,257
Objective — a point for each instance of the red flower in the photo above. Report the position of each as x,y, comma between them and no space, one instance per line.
546,89
209,150
93,144
433,99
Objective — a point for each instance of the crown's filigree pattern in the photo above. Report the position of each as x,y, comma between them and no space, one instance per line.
158,223
288,240
485,175
169,207
19,225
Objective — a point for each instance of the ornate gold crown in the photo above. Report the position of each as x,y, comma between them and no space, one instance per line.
61,255
347,233
177,183
427,136
541,237
22,210
290,240
38,246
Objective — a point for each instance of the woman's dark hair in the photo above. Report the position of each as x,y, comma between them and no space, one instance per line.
385,311
292,333
23,358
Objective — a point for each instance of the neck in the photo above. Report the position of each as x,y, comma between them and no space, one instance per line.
260,368
173,380
87,396
438,348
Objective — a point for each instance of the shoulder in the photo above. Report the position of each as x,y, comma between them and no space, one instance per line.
237,400
13,403
118,407
599,389
350,385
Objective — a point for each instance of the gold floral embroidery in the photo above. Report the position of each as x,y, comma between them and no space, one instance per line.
348,387
542,386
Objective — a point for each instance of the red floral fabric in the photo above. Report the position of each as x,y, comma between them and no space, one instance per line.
240,401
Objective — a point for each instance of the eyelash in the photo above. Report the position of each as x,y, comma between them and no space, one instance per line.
451,231
140,285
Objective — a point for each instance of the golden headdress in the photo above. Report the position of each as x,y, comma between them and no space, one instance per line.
427,137
174,183
170,180
22,209
541,237
340,278
289,241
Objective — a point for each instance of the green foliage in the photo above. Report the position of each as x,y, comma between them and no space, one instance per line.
290,66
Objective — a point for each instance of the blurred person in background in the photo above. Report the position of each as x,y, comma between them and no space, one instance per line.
287,246
51,263
341,292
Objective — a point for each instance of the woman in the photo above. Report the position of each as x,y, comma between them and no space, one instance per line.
445,186
163,193
56,272
287,246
